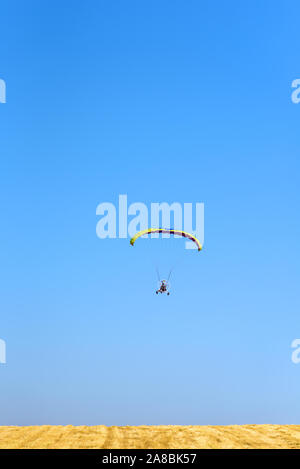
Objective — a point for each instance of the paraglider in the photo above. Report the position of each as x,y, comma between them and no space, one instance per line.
163,287
164,284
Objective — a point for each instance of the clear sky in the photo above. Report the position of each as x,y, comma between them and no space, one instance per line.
162,101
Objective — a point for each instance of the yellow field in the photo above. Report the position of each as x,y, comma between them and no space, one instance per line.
151,437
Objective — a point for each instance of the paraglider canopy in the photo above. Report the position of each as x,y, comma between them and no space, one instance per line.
184,234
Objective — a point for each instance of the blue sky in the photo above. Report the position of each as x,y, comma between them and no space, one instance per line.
162,101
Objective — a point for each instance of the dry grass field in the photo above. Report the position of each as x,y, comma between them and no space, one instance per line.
151,437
